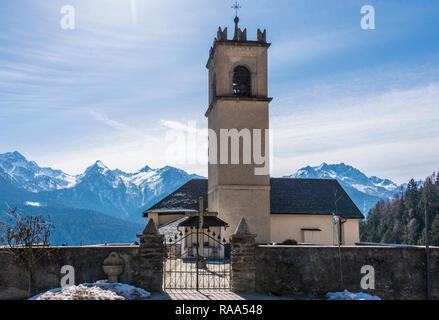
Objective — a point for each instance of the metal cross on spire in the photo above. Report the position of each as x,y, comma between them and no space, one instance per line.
236,7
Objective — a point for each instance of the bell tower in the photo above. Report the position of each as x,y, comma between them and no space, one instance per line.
238,118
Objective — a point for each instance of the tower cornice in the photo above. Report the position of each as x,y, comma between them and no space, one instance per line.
237,99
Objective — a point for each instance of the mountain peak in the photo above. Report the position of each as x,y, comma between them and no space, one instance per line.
320,167
352,179
17,154
30,176
13,156
98,167
145,169
100,164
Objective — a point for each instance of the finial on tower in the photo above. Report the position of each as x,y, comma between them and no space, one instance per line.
236,7
239,35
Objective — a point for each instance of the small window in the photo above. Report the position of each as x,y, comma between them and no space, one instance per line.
241,82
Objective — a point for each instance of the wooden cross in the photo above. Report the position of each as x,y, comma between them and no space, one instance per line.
201,213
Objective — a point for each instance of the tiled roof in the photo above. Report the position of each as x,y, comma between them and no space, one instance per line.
184,198
209,221
311,196
287,196
170,229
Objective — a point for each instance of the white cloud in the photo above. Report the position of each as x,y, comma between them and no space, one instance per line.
116,124
142,61
382,134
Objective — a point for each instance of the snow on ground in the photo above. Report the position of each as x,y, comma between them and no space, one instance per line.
100,290
346,295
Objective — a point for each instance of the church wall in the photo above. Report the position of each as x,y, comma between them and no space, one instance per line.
288,226
160,219
312,271
351,231
155,217
168,217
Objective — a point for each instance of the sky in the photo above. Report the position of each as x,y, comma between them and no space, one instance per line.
131,75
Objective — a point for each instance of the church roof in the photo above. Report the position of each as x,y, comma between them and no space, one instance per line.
209,221
184,199
311,196
287,196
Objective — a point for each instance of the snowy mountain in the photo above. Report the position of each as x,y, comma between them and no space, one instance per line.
113,192
125,195
29,176
365,191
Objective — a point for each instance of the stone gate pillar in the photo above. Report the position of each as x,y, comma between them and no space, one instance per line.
151,258
243,264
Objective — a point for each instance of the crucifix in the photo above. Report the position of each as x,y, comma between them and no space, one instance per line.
236,7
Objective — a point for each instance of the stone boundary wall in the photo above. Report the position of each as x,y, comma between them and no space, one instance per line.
312,271
87,262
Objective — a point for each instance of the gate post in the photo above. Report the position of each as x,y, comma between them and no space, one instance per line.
151,258
243,264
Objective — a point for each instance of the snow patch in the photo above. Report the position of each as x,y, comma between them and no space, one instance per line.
33,204
99,290
140,177
347,295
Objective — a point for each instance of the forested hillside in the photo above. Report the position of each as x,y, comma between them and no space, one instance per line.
402,219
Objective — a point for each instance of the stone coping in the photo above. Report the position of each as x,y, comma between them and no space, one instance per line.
98,246
336,247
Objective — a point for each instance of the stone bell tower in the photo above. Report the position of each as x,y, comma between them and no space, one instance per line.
239,105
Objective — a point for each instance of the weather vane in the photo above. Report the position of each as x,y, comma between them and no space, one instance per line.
236,7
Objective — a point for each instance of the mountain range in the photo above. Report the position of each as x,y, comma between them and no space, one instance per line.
96,196
117,193
106,205
365,191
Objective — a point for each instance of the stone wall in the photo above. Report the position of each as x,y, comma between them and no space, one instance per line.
87,262
243,267
312,271
151,258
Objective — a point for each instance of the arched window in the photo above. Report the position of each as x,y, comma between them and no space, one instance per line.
241,82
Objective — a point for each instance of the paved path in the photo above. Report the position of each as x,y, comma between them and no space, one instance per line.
211,295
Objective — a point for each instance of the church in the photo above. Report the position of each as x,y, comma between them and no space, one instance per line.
309,211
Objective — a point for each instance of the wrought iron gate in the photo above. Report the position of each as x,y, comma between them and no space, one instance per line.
196,259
